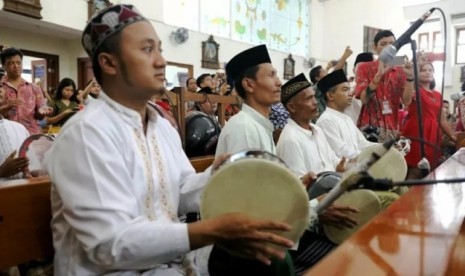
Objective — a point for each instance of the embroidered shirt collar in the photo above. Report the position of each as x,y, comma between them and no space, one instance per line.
128,114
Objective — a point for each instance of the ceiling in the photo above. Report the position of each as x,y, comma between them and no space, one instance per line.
23,23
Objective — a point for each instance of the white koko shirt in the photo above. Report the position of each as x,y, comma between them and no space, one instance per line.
342,134
117,193
248,129
306,150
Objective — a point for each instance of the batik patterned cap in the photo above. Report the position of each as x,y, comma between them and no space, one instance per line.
293,86
106,23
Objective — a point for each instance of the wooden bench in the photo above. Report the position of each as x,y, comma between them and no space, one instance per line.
422,233
25,217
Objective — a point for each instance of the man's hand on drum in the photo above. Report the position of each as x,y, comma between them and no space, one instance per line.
308,179
13,165
219,160
338,216
242,235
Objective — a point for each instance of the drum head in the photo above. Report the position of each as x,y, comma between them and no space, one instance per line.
368,205
260,188
34,148
391,166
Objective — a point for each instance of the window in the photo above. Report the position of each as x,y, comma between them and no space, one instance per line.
438,42
460,46
423,42
282,25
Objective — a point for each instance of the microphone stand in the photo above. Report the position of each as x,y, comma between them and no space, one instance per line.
423,165
368,182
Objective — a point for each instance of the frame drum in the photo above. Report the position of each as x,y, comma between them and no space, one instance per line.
368,205
391,166
34,148
259,185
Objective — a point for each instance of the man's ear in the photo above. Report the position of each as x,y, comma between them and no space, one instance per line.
290,106
108,63
248,85
329,96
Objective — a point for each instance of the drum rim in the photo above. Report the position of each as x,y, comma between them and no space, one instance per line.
330,230
26,143
300,193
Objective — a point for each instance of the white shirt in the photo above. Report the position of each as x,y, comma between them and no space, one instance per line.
353,111
305,150
248,129
342,134
116,193
12,135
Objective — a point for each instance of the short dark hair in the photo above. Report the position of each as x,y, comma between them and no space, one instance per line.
201,78
314,73
463,86
110,45
10,52
187,81
250,73
382,34
331,90
65,83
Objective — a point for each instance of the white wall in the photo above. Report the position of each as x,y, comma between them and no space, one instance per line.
68,51
334,25
339,23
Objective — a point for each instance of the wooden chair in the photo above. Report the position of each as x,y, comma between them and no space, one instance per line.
25,216
182,97
200,164
460,143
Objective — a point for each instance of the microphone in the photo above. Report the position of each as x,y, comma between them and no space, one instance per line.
457,96
390,51
351,178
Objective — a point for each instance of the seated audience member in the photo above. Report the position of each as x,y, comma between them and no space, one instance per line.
65,104
205,80
191,86
117,211
345,139
23,102
206,106
303,147
448,146
279,116
233,109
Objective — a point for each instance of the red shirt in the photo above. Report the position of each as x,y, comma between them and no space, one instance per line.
389,90
25,114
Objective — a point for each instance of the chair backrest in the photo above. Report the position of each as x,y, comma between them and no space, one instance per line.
460,140
200,164
25,215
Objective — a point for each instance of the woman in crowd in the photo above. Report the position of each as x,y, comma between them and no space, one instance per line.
431,101
64,104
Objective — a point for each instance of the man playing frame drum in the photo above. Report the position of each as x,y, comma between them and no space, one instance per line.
120,177
303,147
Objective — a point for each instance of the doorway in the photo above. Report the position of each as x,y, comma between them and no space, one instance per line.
41,69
